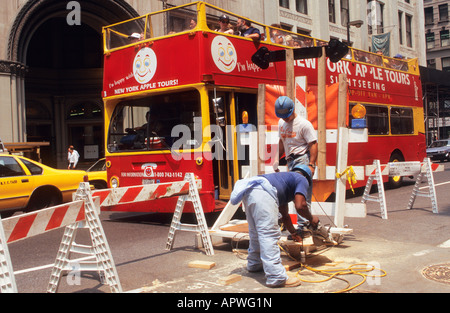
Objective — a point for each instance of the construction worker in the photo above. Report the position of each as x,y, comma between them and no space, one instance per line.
264,197
298,140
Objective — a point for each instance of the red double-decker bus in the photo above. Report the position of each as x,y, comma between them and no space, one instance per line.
179,94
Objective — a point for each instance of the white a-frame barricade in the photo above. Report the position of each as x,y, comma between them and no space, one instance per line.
423,170
376,173
426,169
201,228
68,215
100,248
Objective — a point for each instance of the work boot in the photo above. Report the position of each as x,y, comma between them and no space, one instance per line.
290,282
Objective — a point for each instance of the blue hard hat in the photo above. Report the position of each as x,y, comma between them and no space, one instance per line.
305,171
284,107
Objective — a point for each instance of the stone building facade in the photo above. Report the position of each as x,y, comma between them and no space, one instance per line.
51,55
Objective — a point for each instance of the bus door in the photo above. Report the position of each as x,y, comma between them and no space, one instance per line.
233,113
223,142
247,123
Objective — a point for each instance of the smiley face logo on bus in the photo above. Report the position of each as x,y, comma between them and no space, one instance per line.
144,66
224,54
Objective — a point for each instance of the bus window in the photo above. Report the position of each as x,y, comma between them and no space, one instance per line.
377,120
148,124
402,121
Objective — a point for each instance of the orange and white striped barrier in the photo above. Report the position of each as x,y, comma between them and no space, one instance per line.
70,215
124,195
36,223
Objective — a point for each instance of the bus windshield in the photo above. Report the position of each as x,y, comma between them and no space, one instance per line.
154,123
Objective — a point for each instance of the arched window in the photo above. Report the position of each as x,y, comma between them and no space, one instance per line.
85,110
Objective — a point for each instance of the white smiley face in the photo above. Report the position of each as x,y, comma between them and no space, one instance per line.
224,54
144,66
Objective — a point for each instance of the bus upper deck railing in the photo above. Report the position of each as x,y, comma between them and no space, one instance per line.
201,16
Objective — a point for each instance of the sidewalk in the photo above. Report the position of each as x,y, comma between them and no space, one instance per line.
403,246
402,260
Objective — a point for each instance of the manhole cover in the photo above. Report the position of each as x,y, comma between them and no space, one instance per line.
439,273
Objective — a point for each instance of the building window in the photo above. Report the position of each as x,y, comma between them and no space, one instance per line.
409,42
301,6
429,16
443,13
331,11
431,63
375,13
400,27
345,12
85,111
446,64
284,4
430,40
445,38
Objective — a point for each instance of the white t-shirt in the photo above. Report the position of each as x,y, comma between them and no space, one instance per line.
296,135
73,157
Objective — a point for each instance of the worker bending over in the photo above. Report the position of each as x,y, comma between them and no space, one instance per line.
263,197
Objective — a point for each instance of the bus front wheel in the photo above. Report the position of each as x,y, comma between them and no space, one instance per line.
396,181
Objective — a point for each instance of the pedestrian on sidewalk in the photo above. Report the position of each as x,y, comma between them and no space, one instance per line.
73,156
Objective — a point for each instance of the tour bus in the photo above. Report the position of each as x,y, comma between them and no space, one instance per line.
181,96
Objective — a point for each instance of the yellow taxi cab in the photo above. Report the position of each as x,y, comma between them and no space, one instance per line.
26,185
97,174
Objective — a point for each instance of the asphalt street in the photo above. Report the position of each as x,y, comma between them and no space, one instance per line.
402,246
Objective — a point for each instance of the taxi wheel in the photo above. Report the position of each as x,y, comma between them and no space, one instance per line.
44,198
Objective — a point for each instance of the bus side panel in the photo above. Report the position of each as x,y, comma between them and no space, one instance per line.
359,154
137,170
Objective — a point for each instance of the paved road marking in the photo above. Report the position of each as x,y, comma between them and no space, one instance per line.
445,244
43,267
437,185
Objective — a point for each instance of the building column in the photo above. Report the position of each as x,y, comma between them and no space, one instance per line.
12,102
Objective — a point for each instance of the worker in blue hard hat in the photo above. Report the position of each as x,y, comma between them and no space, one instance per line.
298,140
264,197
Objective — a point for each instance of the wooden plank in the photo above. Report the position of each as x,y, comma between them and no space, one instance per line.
290,74
207,265
342,101
321,118
290,265
261,109
240,228
228,280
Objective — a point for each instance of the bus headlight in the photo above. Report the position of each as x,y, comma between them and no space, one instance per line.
114,182
199,161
